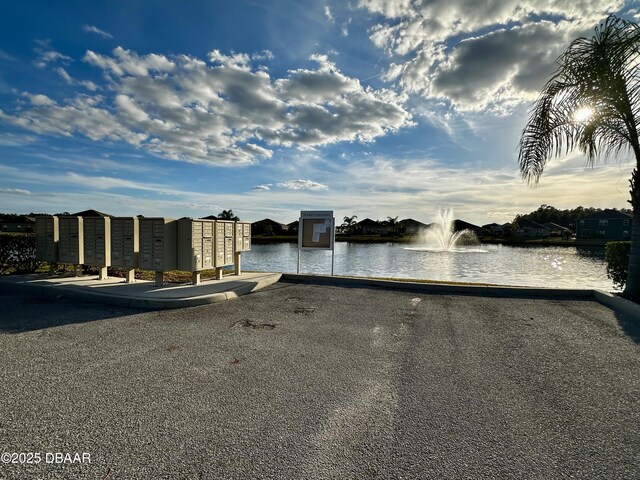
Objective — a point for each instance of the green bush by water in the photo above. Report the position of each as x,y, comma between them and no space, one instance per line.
616,255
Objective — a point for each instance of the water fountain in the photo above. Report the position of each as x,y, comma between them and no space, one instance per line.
441,237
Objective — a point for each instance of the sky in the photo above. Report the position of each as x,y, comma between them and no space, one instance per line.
374,108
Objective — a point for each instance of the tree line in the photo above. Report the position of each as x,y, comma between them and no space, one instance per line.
566,218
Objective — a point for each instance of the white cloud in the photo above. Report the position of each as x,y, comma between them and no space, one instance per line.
492,56
45,58
39,100
88,84
96,30
263,188
302,185
328,15
6,56
90,182
46,55
126,62
226,112
344,28
14,191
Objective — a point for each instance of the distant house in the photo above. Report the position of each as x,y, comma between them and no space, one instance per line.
530,229
460,225
607,224
494,229
20,224
412,227
370,227
268,227
293,227
556,230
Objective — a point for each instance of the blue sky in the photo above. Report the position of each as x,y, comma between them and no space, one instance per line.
374,108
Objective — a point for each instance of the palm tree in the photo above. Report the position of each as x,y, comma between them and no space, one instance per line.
228,215
392,222
349,222
592,102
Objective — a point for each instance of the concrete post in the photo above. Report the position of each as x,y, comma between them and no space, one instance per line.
218,273
102,273
195,278
131,276
159,279
238,265
77,270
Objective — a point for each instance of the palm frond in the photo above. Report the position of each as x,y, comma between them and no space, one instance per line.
603,73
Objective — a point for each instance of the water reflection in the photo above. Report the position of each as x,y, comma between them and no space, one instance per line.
560,267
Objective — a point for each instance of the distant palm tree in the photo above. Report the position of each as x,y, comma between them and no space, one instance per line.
349,222
592,102
228,215
392,222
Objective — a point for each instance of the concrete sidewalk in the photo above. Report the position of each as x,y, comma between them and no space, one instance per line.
143,293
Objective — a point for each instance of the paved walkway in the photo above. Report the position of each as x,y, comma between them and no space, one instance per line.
142,293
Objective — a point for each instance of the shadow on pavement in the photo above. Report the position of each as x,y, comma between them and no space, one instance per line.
630,326
24,312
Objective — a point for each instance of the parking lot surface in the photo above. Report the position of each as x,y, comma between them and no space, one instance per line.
306,381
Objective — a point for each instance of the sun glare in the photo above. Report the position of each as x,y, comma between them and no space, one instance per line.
583,114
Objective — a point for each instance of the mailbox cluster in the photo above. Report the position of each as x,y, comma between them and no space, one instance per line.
158,244
71,239
47,241
97,243
125,243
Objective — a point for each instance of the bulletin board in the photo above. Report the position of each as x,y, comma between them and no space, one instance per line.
317,233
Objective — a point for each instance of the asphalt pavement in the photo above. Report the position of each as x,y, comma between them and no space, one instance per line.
306,381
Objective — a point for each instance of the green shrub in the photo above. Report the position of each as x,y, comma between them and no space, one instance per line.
616,255
6,252
18,253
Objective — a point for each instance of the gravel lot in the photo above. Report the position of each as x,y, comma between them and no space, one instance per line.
304,381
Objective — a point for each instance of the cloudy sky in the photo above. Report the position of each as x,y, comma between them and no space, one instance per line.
369,107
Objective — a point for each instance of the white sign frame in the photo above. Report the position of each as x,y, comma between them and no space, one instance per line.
323,220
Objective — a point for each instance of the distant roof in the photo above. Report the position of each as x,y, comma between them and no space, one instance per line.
608,214
411,221
524,223
91,213
459,225
367,222
267,221
555,226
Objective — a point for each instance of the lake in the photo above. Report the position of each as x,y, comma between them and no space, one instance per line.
556,267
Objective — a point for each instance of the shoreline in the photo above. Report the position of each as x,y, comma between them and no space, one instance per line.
260,240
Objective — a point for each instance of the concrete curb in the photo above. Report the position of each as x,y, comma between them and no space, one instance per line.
619,304
438,288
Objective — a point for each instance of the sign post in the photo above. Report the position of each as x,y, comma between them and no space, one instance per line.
316,231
